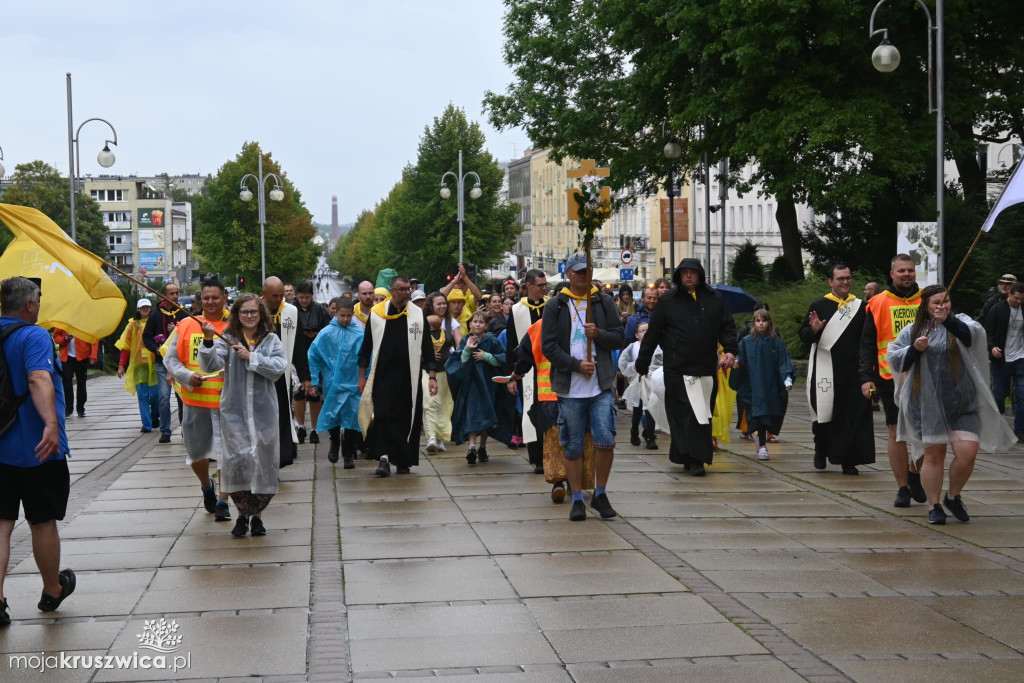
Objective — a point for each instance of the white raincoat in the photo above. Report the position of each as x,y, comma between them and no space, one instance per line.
249,419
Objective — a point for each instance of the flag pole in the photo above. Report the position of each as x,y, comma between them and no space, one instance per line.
956,275
147,287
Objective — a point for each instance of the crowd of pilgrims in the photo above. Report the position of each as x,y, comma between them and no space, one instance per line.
468,370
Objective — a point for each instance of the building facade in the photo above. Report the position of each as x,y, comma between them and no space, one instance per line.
519,184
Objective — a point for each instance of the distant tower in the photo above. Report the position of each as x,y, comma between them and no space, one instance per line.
334,219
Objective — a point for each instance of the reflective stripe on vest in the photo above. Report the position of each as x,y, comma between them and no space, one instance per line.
542,365
891,314
190,338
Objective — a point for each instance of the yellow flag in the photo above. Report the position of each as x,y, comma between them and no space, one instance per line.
77,295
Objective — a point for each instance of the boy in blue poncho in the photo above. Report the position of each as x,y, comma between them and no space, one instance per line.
762,378
333,359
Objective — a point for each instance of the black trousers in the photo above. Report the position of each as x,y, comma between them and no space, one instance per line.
535,450
691,440
648,428
349,440
75,372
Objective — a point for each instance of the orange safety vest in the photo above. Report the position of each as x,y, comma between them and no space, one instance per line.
541,364
891,314
190,338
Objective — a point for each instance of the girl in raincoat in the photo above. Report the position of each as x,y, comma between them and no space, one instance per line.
249,421
762,377
334,354
479,358
137,367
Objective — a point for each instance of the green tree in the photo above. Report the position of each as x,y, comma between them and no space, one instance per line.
227,231
39,185
747,267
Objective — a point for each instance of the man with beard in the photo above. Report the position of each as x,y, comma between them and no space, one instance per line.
312,318
361,312
888,313
285,317
689,323
526,312
843,431
397,341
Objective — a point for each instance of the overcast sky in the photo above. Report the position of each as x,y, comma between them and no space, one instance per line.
338,91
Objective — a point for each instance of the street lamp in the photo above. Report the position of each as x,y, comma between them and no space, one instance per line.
886,58
672,151
460,181
276,194
105,158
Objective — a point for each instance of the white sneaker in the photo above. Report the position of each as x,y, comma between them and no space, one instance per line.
431,445
762,454
440,446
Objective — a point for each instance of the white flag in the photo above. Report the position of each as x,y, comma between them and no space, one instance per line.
1013,193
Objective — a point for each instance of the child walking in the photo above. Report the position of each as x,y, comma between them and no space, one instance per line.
478,359
762,377
334,359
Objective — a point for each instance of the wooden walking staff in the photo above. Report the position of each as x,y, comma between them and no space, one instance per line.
147,287
587,168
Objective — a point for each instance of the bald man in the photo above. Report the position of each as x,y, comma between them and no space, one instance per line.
286,325
362,310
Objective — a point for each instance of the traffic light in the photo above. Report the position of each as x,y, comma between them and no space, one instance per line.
241,282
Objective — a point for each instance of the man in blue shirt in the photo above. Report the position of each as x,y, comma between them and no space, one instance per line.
34,451
650,300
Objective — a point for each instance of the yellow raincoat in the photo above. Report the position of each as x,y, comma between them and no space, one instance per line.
141,363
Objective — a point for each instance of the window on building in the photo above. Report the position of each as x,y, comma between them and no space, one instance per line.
732,216
771,217
739,226
760,217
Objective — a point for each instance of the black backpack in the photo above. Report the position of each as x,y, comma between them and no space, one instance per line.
9,401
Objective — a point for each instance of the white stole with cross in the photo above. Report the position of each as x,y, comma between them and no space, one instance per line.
698,392
821,357
521,321
414,326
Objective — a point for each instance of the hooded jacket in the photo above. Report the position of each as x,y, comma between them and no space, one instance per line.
688,327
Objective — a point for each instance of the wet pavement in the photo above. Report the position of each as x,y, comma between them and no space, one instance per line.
757,572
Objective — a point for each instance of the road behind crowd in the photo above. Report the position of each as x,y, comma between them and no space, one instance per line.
758,572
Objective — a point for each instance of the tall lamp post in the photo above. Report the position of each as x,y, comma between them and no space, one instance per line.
276,194
672,151
886,58
105,158
460,181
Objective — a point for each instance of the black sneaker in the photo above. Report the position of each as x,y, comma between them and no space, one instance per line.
332,453
145,431
314,437
481,454
48,603
538,469
210,497
350,463
652,445
956,506
471,455
241,526
578,512
819,462
301,431
5,618
634,438
902,498
81,413
697,469
850,469
223,512
601,504
256,527
165,438
402,470
916,490
383,467
936,515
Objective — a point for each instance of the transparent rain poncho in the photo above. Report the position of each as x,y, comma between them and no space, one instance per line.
942,401
249,419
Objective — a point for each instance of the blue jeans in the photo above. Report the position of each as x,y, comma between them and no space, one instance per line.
574,414
1002,374
149,403
165,399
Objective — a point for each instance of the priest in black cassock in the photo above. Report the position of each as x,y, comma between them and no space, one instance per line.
396,349
843,429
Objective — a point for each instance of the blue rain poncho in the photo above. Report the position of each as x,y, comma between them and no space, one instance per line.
249,418
334,367
761,380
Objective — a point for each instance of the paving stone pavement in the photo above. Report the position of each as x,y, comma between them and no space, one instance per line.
758,572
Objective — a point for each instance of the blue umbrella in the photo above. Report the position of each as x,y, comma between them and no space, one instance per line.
736,299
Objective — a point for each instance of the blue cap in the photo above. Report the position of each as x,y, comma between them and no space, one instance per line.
576,262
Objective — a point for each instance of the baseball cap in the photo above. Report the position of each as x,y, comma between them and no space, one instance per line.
418,295
143,302
576,262
1008,279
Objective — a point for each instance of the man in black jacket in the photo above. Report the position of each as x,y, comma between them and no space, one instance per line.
583,385
312,318
689,323
1004,328
159,326
1003,285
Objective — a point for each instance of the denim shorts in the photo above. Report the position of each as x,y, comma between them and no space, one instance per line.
575,415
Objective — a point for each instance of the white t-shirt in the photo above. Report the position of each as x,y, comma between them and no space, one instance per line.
72,353
1014,336
580,386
